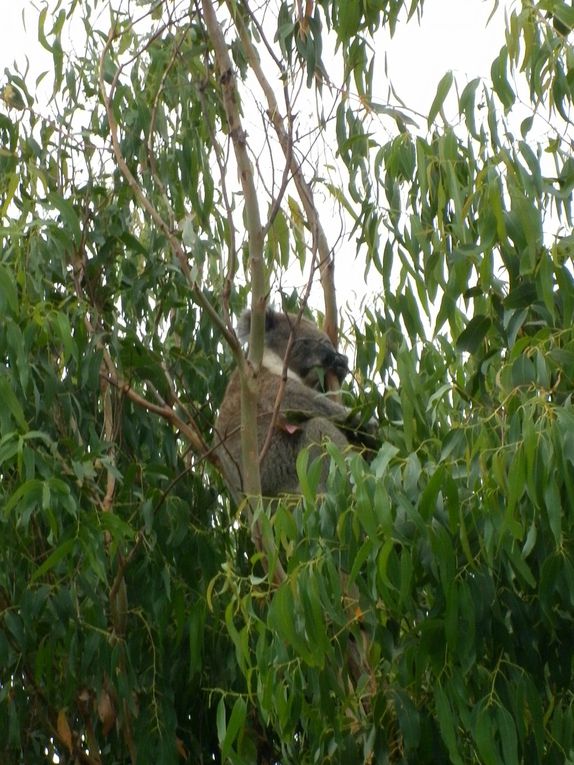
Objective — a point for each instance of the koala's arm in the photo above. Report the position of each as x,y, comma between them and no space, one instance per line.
301,403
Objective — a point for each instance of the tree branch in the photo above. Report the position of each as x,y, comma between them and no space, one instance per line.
248,372
326,261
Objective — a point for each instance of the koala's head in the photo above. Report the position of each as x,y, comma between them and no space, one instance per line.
312,354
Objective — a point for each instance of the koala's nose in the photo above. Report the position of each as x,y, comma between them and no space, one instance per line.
340,365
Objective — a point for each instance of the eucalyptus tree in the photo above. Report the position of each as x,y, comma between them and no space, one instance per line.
178,162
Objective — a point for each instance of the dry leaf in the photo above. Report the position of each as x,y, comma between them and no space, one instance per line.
106,711
64,731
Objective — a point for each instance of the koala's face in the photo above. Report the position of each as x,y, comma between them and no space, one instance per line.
312,355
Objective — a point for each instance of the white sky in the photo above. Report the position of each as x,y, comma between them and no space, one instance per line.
15,42
452,35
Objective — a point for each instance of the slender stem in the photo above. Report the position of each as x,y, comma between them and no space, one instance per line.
248,371
326,261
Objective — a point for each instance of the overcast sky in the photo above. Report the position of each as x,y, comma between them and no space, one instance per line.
452,35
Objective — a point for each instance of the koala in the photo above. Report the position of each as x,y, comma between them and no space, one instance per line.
307,415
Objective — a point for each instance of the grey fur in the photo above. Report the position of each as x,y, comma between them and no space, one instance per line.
307,416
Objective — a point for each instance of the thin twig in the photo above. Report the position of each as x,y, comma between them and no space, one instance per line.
150,136
326,262
232,245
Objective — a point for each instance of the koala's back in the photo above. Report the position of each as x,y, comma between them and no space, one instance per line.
312,423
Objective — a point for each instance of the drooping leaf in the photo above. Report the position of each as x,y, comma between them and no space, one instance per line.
442,92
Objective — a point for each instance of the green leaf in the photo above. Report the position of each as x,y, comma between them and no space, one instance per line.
516,485
508,738
10,445
409,719
8,292
282,615
554,508
466,105
52,560
315,630
234,726
472,336
483,732
41,34
500,82
381,461
11,186
442,91
69,216
279,239
565,15
520,566
64,330
447,725
116,526
221,720
349,19
10,402
523,372
29,494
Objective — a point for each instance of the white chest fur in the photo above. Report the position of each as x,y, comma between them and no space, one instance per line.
274,364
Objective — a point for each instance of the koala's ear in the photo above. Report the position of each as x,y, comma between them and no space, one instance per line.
244,326
244,323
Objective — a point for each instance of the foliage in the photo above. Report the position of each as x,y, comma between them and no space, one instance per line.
422,609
